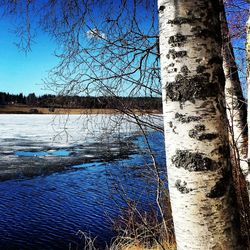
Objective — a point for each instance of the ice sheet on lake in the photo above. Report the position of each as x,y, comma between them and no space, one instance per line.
86,137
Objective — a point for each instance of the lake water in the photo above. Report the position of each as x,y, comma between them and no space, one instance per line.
61,174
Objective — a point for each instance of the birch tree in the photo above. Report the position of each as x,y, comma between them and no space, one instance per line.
194,113
234,97
235,103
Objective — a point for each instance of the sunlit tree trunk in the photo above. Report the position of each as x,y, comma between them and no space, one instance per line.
235,103
248,83
195,125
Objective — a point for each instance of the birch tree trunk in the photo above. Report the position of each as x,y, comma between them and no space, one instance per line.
248,83
235,102
199,170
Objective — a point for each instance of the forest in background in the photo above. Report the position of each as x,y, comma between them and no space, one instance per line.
83,102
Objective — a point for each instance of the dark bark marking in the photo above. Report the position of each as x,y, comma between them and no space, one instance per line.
216,60
204,33
200,69
208,106
198,60
177,40
219,76
182,187
176,54
193,162
224,150
208,136
200,127
198,133
182,20
185,70
220,188
193,133
186,119
190,88
162,8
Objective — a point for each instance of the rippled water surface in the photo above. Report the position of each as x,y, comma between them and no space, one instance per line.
52,187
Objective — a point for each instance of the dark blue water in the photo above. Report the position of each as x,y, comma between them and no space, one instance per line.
45,212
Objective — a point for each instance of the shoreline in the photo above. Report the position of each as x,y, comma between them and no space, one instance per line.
24,109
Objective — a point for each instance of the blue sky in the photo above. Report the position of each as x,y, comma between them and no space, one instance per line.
20,72
23,73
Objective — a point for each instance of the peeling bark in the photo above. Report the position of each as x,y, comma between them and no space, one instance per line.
195,125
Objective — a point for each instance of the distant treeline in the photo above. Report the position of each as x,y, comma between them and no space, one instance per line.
53,101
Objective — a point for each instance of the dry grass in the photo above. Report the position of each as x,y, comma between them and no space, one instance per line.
134,244
165,245
24,109
145,230
129,244
122,244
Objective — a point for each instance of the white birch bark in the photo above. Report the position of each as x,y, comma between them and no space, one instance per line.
199,171
235,103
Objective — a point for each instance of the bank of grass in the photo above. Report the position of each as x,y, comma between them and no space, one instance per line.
145,231
165,245
126,243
